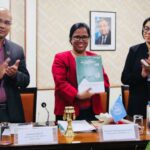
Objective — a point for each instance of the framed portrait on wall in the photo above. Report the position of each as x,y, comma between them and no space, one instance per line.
103,30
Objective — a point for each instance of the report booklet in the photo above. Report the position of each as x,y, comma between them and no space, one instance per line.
90,73
77,125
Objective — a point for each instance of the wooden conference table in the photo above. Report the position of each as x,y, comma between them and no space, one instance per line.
85,141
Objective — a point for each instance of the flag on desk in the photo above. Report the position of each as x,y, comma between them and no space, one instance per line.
118,111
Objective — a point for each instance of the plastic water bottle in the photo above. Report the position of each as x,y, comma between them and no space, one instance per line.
148,118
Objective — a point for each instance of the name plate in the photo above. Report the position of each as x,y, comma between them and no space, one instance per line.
123,132
36,135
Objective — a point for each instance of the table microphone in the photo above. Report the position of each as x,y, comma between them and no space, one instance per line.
44,106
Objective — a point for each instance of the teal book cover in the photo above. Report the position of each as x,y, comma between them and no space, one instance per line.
90,73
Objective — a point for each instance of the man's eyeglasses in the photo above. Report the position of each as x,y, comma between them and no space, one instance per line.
78,38
146,29
6,22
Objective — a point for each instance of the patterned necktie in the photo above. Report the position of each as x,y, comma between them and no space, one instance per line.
103,40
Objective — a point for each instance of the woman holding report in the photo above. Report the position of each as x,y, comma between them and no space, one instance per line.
87,104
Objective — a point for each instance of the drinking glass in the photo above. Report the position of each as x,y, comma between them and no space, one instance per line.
5,134
138,119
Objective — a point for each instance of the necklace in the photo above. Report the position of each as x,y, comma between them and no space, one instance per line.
77,54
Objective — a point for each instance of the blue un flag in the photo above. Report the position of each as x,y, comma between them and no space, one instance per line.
118,111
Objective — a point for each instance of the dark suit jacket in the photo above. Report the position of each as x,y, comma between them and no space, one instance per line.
108,39
138,86
11,85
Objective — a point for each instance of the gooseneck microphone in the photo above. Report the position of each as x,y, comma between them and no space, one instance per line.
44,106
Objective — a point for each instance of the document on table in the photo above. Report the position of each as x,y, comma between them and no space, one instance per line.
14,126
120,132
77,125
36,135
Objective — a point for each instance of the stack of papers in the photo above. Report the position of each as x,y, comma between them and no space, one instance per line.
14,126
106,119
77,125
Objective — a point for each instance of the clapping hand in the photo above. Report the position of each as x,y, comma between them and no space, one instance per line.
146,69
3,67
12,70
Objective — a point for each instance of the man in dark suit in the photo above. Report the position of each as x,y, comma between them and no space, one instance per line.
105,33
13,73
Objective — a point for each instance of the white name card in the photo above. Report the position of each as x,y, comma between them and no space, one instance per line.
120,132
36,135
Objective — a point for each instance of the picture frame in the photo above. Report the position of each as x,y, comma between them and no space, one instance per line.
103,30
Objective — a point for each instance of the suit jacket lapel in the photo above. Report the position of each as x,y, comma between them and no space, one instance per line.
6,49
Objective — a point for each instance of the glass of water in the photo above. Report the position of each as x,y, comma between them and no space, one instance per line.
5,134
138,119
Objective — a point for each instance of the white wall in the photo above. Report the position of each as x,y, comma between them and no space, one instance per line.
4,3
46,96
31,40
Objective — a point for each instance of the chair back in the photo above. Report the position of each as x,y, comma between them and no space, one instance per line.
125,95
28,98
105,100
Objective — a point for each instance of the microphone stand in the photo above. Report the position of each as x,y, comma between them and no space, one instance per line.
47,122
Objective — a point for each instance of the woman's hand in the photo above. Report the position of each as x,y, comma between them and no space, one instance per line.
12,70
86,94
3,67
146,69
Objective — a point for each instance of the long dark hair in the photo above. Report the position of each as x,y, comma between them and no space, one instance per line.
77,26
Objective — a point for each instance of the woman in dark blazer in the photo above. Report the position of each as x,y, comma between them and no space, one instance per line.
136,75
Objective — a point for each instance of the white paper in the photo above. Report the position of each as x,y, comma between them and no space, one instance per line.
120,132
77,125
95,87
37,135
6,132
14,126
